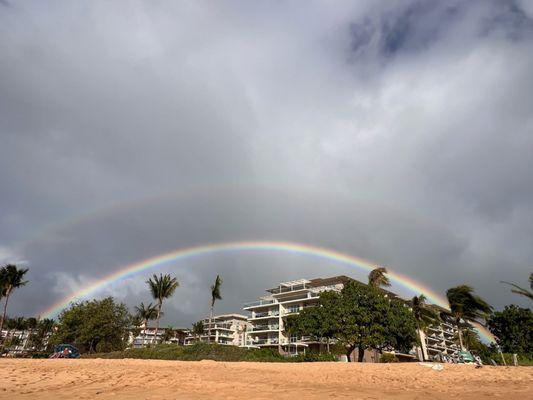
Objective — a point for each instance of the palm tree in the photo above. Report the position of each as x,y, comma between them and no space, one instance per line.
466,306
11,278
521,291
145,314
198,329
215,295
161,287
423,314
378,277
31,324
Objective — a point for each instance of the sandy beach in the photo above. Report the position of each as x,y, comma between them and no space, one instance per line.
154,379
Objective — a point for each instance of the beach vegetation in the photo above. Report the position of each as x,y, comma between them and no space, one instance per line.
144,314
513,328
378,277
11,278
520,290
359,317
215,295
466,306
161,287
93,326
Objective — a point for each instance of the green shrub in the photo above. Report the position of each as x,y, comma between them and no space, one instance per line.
204,351
388,358
313,357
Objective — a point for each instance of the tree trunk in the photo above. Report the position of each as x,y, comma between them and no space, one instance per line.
349,352
460,338
361,354
157,323
144,332
327,345
210,323
5,312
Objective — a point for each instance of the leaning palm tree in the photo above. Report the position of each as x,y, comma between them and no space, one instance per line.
11,278
378,277
521,291
423,314
161,287
145,314
466,306
215,295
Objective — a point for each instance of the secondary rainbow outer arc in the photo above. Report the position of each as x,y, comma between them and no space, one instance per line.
226,247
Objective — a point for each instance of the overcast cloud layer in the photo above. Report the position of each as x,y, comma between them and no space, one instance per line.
400,132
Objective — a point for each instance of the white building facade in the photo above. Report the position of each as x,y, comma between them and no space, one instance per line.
226,329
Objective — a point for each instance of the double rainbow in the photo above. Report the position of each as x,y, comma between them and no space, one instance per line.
131,270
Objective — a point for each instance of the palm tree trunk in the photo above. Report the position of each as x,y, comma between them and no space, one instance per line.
157,323
144,333
210,323
5,312
460,338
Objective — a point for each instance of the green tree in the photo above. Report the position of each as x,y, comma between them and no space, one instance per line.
11,278
96,325
378,277
401,327
514,329
39,339
466,305
145,314
316,322
521,291
162,287
168,334
362,317
215,295
198,330
31,325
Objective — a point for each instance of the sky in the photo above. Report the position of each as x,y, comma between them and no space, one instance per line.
399,132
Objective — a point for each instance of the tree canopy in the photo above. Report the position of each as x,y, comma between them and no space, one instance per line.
359,317
96,325
514,329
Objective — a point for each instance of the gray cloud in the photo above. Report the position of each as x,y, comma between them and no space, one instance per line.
398,132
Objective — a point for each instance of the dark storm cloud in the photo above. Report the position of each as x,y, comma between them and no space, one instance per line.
398,132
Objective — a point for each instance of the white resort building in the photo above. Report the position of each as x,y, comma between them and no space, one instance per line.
267,315
146,336
227,329
439,339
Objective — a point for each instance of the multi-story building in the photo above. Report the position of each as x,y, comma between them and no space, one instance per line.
267,316
146,335
228,329
439,339
269,312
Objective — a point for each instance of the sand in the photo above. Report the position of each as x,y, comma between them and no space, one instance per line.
154,379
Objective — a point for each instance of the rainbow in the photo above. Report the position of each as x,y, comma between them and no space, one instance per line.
131,270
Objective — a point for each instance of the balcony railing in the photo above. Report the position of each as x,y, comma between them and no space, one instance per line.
265,341
288,289
265,327
266,314
261,302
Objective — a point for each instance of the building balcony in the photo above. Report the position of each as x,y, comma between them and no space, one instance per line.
271,314
274,327
259,303
289,289
269,341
